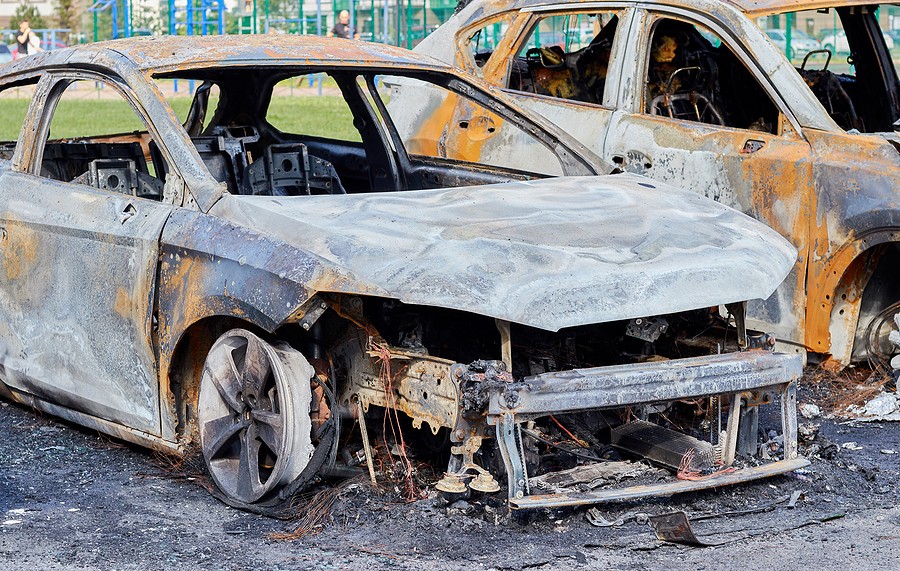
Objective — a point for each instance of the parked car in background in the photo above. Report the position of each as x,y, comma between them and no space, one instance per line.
801,43
256,283
822,32
5,54
694,90
836,42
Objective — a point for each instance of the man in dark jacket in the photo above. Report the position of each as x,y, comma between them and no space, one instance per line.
342,27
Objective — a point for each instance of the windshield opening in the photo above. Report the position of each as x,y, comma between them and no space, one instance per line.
848,56
284,132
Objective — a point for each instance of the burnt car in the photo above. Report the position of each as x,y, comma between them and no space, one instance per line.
257,288
695,90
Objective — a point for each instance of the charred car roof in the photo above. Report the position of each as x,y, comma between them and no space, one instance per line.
756,8
753,8
173,53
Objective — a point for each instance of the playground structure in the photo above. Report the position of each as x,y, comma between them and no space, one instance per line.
112,8
197,17
398,22
188,17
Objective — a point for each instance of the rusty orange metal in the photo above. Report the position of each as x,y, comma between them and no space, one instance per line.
250,309
833,193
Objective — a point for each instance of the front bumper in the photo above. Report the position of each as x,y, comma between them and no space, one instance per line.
747,379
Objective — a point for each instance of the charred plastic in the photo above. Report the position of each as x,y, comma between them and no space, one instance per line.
562,402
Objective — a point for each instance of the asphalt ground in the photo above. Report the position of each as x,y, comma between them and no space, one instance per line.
73,499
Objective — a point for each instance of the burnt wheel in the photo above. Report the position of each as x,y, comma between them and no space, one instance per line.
253,415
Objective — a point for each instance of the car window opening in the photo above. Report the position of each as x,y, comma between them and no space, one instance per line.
846,60
566,56
112,151
693,76
14,100
272,139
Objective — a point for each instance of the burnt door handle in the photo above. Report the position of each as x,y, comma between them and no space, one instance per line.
126,213
751,146
633,161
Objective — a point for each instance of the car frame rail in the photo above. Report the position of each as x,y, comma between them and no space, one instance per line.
747,379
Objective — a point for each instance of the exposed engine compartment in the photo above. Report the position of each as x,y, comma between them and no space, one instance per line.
435,366
467,338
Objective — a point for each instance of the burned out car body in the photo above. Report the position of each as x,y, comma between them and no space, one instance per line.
216,280
694,90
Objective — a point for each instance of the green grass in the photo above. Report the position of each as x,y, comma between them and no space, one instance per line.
321,116
12,113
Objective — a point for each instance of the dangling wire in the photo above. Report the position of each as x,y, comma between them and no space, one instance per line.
392,418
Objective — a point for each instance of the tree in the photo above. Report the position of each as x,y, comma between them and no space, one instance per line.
27,12
67,14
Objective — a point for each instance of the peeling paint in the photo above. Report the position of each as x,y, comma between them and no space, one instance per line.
832,194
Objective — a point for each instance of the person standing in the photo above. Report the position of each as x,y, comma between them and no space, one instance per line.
27,42
342,27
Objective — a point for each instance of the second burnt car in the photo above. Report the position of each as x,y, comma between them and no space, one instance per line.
233,281
695,90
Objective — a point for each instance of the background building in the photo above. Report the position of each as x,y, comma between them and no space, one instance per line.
8,8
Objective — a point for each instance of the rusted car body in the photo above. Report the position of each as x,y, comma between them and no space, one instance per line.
216,280
693,91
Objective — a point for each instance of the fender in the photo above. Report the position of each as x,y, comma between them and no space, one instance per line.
836,294
210,267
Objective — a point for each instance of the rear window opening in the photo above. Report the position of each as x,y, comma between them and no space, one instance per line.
566,56
848,57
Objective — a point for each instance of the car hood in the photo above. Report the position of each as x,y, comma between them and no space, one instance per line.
549,254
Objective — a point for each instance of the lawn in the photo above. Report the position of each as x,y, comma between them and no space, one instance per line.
322,116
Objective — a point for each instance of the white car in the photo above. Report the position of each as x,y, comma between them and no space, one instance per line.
837,43
801,44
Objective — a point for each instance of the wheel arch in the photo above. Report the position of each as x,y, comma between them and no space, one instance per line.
182,354
882,290
182,367
851,287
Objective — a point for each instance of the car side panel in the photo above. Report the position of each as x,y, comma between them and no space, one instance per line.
434,122
587,123
78,271
765,175
857,213
767,184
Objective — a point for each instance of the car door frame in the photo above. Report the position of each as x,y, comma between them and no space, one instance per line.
102,223
496,63
564,113
784,312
